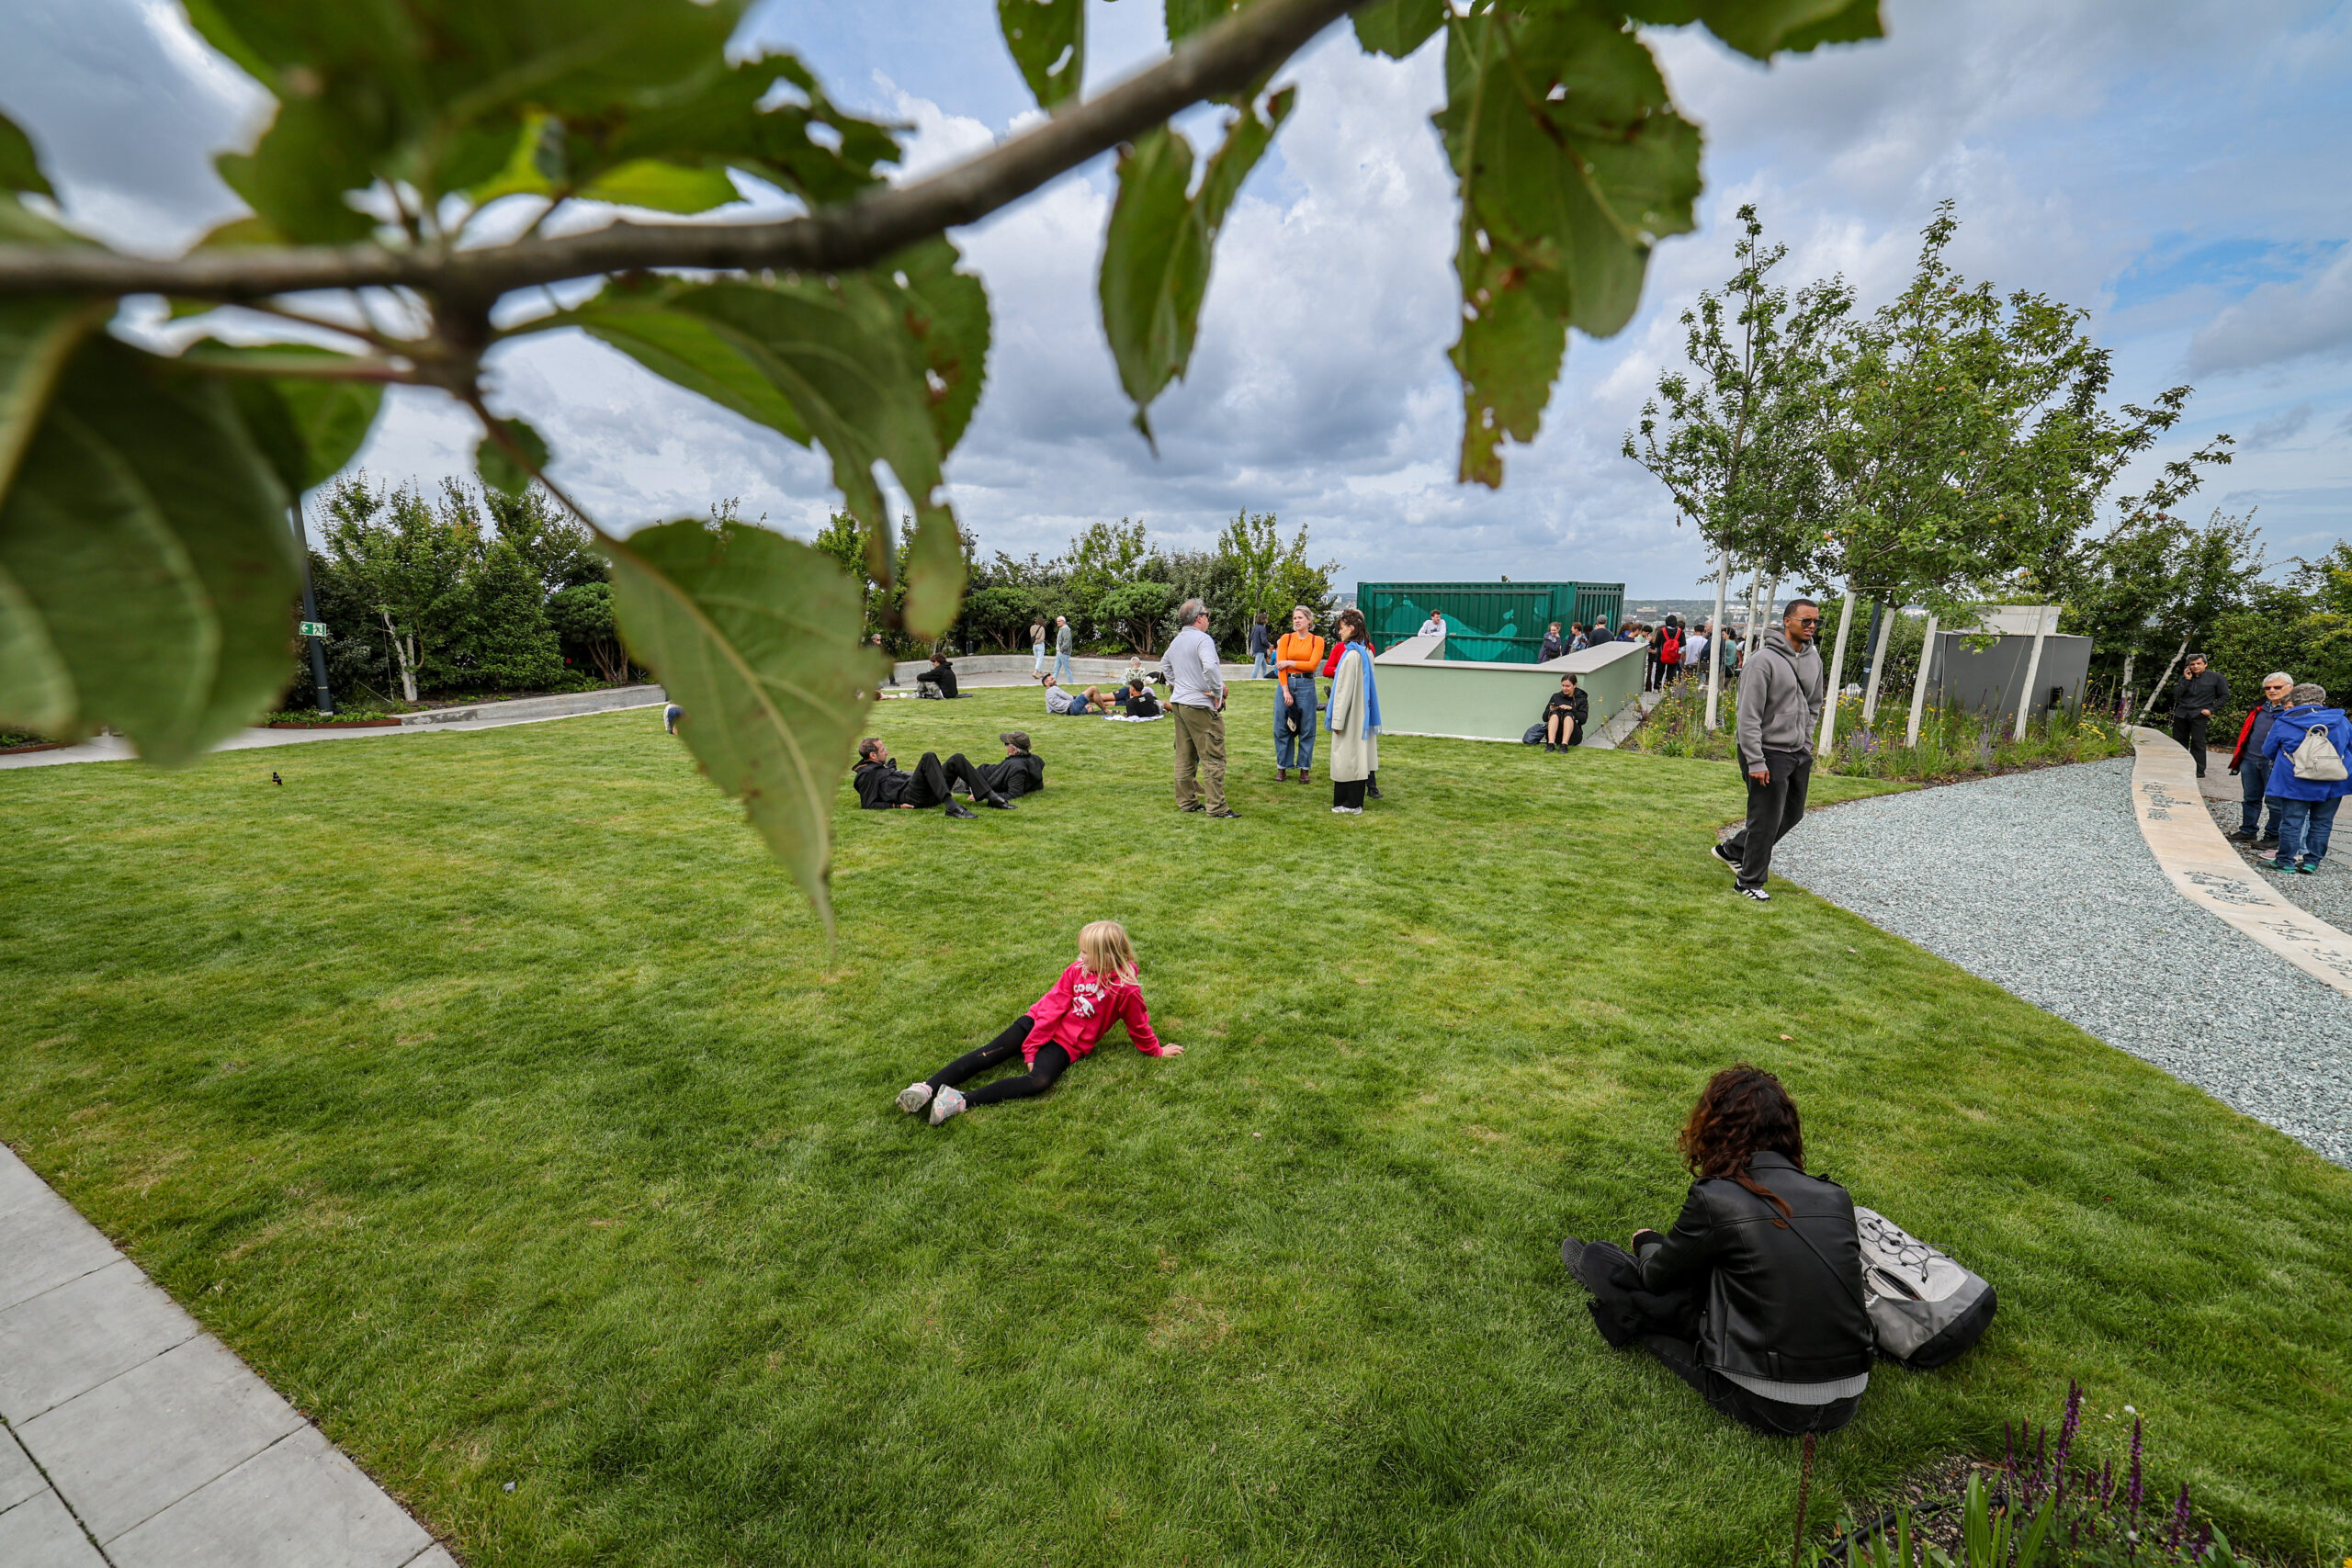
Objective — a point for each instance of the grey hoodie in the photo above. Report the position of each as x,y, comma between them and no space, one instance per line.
1780,699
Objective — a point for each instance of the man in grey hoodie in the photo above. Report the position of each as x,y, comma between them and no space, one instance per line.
1781,692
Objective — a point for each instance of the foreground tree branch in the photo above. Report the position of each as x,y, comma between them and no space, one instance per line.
1225,59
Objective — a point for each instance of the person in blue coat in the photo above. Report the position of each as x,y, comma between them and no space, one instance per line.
2305,805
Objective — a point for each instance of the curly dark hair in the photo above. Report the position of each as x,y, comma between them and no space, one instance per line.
1742,1111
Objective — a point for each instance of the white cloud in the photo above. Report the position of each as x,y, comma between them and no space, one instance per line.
2280,322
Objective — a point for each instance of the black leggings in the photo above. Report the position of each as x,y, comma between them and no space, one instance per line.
1051,1063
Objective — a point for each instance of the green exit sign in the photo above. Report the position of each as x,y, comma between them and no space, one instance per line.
313,628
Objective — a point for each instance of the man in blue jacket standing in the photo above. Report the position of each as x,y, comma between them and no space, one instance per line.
2304,788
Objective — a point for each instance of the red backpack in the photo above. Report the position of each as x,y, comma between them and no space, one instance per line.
1670,650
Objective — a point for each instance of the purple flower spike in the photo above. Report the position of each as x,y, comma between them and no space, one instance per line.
2138,1490
2179,1520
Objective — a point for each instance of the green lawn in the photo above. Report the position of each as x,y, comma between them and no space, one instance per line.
492,1095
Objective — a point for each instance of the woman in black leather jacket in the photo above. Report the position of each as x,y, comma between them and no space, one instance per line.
1755,1298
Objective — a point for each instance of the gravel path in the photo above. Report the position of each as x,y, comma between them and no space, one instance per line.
2041,882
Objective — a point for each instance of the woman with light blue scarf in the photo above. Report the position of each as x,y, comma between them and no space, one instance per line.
1353,719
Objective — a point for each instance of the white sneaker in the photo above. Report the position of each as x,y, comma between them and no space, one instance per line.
914,1097
1756,893
946,1103
1347,810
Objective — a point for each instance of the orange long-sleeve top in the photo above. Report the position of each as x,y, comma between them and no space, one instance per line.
1298,653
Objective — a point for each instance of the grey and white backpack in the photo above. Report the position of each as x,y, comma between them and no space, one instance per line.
1924,1305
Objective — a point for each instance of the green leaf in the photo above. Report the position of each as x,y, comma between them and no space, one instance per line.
1185,18
37,335
947,312
498,466
756,638
664,188
20,166
1156,256
1762,28
1048,42
935,574
148,565
1571,162
308,427
1397,28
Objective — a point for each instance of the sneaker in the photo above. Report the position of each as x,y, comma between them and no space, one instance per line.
2242,837
914,1097
1196,805
2276,864
1228,813
957,808
1572,1254
2309,868
1372,792
1347,810
1722,853
946,1103
2269,843
1756,893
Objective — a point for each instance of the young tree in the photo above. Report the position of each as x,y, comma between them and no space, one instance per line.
429,162
500,638
581,616
1736,440
405,562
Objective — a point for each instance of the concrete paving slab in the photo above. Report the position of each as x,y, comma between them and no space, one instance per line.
435,1557
132,1447
39,1533
18,1479
43,1244
19,1185
68,1340
298,1503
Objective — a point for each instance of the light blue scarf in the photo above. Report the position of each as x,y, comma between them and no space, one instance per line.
1371,690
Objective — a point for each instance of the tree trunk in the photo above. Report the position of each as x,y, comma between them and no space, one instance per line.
1878,664
1836,675
1715,643
401,654
1920,685
2032,669
2123,705
2157,690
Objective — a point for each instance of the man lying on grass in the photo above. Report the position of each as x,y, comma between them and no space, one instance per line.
882,786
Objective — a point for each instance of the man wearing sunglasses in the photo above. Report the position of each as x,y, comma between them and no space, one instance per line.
1781,692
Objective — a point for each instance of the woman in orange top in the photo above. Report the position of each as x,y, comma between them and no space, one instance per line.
1297,658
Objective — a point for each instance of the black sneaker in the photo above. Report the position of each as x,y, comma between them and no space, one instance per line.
1196,806
2242,837
957,808
1228,812
1571,1254
1722,853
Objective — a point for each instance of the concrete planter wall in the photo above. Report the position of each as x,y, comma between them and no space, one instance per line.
1424,693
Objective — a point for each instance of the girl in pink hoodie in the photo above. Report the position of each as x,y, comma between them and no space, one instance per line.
1065,1025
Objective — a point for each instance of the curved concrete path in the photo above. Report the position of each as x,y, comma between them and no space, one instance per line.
131,1438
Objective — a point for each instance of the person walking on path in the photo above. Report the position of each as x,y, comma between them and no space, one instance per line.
1261,646
1755,1298
2307,776
1196,698
1061,648
1060,1028
2202,690
1354,719
2249,763
1297,658
1781,694
1037,648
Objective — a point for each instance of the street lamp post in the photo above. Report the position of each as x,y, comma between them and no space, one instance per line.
311,618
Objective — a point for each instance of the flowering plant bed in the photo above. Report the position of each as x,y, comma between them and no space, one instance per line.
332,723
36,746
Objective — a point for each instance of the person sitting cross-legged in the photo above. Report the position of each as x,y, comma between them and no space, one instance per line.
1564,714
882,786
940,679
1755,1298
1137,702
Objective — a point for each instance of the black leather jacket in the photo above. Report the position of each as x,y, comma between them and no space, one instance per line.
2206,689
1776,1307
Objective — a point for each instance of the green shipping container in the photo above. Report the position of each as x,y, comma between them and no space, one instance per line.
1493,622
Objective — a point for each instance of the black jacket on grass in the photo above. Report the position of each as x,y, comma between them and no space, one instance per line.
1784,1297
1016,775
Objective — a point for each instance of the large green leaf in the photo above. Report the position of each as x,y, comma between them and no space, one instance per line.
37,335
947,312
1162,235
756,638
147,563
500,469
20,168
1397,28
1762,28
308,427
1048,42
1571,162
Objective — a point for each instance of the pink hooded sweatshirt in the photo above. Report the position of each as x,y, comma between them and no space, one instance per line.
1081,1005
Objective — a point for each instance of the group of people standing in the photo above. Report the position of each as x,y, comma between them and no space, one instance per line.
1349,714
2281,770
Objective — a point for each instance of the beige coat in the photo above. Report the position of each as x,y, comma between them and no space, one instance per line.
1355,750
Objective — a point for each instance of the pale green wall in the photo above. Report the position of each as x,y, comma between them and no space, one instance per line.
1422,694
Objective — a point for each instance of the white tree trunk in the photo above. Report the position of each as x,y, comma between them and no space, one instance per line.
2033,667
2157,690
400,653
1836,675
2124,705
1919,684
1878,664
1715,643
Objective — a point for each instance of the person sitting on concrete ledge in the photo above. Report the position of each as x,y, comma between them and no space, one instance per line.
1564,714
939,681
882,786
1061,699
1136,701
1755,1298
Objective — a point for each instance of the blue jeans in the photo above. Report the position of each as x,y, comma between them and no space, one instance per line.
1301,746
2252,773
2303,828
1261,665
1062,666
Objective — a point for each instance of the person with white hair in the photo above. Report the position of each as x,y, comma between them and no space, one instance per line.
1196,698
2246,762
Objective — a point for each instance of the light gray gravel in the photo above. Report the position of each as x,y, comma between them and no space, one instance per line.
2041,882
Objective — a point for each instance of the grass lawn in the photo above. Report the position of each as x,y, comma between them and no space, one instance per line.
491,1093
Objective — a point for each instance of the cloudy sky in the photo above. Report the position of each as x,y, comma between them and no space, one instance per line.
2176,167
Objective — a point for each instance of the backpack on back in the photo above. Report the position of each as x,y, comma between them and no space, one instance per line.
1924,1307
2317,759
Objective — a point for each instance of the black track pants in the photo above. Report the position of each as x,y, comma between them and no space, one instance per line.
1051,1063
1772,809
932,776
